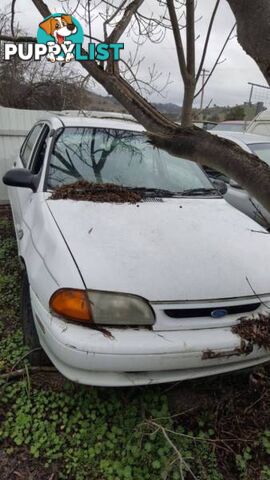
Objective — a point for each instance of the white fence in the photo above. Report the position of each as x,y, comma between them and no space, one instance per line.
14,125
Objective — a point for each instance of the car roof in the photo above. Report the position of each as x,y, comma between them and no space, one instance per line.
113,120
242,138
123,121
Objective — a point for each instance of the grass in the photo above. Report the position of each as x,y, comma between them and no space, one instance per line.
215,429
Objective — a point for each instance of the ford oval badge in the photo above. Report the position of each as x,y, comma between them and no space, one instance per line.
219,313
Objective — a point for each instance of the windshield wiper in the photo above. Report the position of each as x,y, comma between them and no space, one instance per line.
153,192
159,192
200,191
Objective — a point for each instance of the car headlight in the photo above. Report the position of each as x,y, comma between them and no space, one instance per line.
102,308
120,309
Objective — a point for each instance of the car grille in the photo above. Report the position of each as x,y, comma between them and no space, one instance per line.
206,312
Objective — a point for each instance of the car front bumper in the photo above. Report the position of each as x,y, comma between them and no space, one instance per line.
126,357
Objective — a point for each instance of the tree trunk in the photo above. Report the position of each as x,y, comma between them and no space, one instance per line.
253,30
186,116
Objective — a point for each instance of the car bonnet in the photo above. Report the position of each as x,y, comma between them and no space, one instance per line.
170,250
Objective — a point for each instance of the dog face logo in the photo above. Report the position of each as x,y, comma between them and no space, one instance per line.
59,27
60,32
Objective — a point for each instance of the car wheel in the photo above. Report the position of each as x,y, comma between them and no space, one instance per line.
37,356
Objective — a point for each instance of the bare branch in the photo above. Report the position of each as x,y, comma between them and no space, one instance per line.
21,372
190,33
124,22
177,38
216,62
12,17
210,26
179,456
110,19
42,8
20,39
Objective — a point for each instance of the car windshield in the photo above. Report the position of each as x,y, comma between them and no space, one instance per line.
262,150
230,127
123,158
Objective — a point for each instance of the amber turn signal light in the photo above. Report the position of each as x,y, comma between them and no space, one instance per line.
71,304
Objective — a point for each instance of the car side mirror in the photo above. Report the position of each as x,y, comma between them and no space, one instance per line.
234,184
20,177
220,185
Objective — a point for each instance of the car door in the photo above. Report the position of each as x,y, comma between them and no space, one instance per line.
30,157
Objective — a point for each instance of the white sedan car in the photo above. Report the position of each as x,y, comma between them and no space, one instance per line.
132,293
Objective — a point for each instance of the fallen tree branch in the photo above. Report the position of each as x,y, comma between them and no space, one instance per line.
20,372
182,462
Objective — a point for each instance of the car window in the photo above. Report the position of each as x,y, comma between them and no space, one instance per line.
230,127
120,157
262,150
261,129
29,144
39,155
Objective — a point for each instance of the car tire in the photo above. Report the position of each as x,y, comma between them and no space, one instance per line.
37,356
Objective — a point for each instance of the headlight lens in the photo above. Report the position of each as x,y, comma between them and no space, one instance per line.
71,304
110,308
102,308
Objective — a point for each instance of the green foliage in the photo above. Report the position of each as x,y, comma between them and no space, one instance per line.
265,475
100,434
12,349
10,273
11,341
236,113
266,441
242,462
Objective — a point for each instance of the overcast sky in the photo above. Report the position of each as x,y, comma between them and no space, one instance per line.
229,84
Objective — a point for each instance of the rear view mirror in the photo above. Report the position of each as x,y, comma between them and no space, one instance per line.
234,184
220,185
19,177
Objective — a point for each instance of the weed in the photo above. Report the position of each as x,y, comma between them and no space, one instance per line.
93,433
